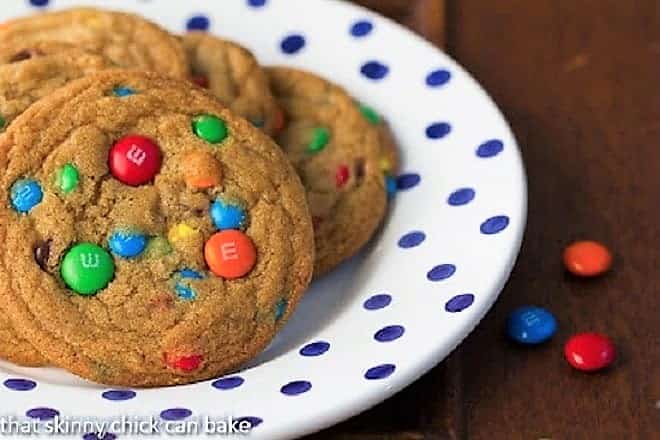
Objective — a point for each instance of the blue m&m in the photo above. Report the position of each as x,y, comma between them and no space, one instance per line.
227,215
25,195
183,290
531,325
127,244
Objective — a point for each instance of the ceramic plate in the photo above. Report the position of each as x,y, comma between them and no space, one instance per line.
392,313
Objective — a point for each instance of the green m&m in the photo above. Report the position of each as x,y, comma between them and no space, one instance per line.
370,114
87,268
210,128
2,123
320,138
67,178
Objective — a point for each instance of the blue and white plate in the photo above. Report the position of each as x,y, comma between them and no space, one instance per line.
391,314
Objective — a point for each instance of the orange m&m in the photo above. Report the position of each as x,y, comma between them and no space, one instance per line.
587,258
201,170
230,254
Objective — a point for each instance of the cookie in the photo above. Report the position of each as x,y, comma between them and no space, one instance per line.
336,152
30,71
234,76
151,237
127,40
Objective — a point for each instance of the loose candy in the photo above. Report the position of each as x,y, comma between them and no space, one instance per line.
87,268
127,244
228,215
590,351
135,160
230,254
587,258
201,170
67,178
531,325
210,128
25,194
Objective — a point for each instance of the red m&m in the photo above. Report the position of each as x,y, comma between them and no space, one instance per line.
184,363
134,160
589,351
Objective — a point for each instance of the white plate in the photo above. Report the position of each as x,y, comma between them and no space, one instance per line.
390,314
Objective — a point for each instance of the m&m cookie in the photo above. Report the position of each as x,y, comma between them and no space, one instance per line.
234,76
125,39
125,265
337,151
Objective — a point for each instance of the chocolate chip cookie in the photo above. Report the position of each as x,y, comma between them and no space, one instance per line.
337,153
150,236
125,39
233,74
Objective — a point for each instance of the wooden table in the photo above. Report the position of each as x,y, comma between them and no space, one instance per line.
579,82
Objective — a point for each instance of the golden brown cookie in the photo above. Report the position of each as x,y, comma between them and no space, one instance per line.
30,71
336,152
233,74
125,39
149,238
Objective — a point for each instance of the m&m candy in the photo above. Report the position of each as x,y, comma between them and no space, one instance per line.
210,128
587,258
230,254
134,160
227,215
320,138
342,175
87,268
201,170
185,363
67,178
531,325
25,194
182,289
127,244
390,186
590,351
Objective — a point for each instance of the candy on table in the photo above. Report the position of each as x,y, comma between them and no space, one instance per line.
587,258
230,254
87,268
134,160
590,351
531,325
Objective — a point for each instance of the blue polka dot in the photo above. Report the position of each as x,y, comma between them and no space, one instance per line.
438,78
253,421
412,239
377,302
461,196
361,28
441,272
228,383
39,3
374,70
490,148
438,130
379,372
256,3
20,384
198,23
295,388
118,395
315,348
175,414
459,303
292,44
407,181
42,413
97,436
389,333
494,225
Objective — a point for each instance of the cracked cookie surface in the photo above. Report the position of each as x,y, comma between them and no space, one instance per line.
234,76
337,153
125,39
151,236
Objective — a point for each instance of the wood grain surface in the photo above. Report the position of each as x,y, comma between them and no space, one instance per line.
578,81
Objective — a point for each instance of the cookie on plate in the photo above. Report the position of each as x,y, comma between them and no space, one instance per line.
30,71
125,39
233,75
151,237
336,152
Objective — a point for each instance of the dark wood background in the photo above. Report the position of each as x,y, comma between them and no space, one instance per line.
579,80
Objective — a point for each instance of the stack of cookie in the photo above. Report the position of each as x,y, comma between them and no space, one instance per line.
153,233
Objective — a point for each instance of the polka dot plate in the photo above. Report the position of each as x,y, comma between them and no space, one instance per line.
392,313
